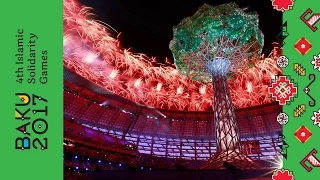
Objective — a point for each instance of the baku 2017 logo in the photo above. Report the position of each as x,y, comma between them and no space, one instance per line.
31,110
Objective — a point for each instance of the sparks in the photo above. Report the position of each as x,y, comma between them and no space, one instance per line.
83,36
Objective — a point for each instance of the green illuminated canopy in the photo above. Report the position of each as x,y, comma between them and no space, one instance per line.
221,31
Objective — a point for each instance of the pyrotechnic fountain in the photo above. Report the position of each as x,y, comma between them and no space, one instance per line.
207,47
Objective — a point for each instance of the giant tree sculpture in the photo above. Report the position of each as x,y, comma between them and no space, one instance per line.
207,47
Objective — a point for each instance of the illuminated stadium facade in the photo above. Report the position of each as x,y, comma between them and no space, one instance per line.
168,133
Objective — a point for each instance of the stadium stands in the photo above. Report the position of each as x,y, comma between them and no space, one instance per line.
110,131
171,134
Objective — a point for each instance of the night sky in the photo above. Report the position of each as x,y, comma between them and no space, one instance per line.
146,26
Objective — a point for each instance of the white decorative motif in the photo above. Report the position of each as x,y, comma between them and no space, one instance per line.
316,62
316,118
313,19
282,61
283,118
313,161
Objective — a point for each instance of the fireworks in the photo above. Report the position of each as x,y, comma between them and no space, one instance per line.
92,51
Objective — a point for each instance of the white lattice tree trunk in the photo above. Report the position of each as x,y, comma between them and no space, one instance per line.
226,128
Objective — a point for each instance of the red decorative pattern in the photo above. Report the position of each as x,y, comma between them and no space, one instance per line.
303,134
303,46
282,175
316,62
282,90
282,5
316,118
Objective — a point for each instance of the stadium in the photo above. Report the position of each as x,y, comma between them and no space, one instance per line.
126,111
